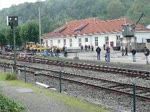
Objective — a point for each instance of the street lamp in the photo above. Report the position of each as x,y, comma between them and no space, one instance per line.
12,21
76,53
40,23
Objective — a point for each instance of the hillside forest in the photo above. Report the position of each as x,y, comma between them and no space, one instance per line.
55,13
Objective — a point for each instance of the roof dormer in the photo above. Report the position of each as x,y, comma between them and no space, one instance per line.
60,30
80,27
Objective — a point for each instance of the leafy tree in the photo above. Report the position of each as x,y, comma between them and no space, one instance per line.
2,39
139,7
57,12
8,35
30,32
115,9
18,38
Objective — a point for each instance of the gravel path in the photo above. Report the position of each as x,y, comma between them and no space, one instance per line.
33,100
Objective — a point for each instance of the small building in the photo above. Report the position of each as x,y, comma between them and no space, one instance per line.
93,32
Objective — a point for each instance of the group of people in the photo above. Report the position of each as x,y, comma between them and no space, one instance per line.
107,55
146,53
124,51
54,51
87,47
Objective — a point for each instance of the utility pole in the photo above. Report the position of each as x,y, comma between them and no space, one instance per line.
12,21
40,24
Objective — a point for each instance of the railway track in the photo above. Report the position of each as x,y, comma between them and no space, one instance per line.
101,68
142,93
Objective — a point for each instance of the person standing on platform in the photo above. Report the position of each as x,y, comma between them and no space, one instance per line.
98,50
108,54
65,52
92,48
146,52
126,51
104,46
81,47
133,55
122,50
51,52
85,47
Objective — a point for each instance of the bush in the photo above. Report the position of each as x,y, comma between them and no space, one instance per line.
7,105
11,76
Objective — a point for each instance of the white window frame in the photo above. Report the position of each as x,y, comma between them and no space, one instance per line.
58,41
86,39
64,42
51,43
79,42
46,43
107,40
70,41
96,41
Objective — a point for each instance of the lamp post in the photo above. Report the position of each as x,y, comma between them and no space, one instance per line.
12,21
40,23
76,53
14,49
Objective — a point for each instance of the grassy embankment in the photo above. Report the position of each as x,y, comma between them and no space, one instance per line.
6,104
79,104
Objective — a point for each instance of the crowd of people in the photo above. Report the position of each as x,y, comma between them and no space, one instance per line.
124,52
87,48
55,51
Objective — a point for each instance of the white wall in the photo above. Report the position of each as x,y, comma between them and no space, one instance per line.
142,36
91,39
75,41
101,39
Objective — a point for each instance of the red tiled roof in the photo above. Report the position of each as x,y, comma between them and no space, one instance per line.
92,26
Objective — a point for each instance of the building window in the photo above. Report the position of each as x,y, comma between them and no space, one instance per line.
96,41
148,40
58,41
107,40
51,43
64,42
46,43
86,39
70,41
117,40
79,41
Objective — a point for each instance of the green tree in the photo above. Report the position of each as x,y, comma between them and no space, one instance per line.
19,40
9,37
57,12
3,41
139,7
30,32
7,31
115,9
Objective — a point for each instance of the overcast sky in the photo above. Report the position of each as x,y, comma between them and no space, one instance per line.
8,3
